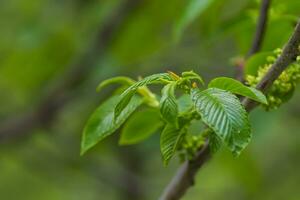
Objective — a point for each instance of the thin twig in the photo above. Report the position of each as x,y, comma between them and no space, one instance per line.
184,178
260,28
258,38
185,175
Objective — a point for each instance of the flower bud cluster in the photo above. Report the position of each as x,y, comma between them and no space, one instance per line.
190,145
283,87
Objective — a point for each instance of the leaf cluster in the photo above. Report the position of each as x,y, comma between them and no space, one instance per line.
184,100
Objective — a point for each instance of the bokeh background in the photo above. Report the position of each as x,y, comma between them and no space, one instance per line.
54,53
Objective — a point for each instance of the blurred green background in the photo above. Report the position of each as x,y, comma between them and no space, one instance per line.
54,53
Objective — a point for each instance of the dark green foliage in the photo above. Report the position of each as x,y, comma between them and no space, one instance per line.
169,141
237,87
102,122
224,114
140,126
168,104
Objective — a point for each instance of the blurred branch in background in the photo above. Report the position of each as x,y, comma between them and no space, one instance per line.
133,161
61,93
258,38
50,104
260,28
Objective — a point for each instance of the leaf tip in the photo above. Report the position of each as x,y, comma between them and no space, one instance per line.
83,150
123,142
173,75
236,154
99,88
85,146
166,162
82,153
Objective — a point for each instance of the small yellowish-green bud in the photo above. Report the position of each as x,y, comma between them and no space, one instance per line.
283,86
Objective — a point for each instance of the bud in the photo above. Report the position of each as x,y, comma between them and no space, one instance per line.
283,86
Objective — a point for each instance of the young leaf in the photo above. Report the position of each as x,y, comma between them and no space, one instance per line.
224,114
169,141
191,75
237,87
168,104
140,126
193,9
119,79
129,92
125,98
215,142
184,103
101,124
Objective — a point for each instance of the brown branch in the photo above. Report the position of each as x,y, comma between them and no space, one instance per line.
184,178
260,28
185,175
50,104
258,38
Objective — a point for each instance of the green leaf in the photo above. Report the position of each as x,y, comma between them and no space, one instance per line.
254,62
129,92
191,75
193,9
184,103
119,79
102,123
140,126
215,142
224,114
169,142
168,104
237,87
